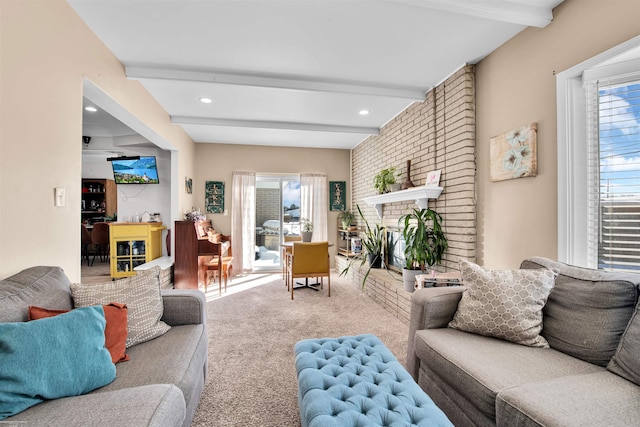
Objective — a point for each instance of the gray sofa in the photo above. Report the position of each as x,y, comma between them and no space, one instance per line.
160,385
484,381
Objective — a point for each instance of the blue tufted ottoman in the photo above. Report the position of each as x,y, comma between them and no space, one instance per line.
356,381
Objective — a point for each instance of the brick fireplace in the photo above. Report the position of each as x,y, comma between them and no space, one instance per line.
435,134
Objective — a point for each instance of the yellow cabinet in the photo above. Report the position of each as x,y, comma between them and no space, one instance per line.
133,244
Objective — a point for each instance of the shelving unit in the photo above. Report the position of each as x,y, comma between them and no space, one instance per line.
99,199
133,244
345,242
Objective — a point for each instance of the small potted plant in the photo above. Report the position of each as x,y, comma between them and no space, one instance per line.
347,218
425,243
372,244
307,229
384,179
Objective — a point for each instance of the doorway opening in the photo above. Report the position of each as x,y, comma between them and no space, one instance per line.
277,215
113,132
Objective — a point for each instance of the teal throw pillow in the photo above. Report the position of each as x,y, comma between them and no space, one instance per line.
52,358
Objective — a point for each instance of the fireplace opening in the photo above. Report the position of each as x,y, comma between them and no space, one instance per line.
394,253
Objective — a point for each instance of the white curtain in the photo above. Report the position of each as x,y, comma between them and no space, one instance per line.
243,221
314,203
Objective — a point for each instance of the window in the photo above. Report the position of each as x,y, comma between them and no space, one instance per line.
599,160
613,138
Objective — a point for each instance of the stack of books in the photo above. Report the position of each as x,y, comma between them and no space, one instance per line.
438,279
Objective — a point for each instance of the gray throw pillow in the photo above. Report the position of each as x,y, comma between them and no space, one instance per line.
626,361
41,286
505,304
588,310
141,294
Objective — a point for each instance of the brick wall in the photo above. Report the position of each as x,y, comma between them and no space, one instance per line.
437,133
267,205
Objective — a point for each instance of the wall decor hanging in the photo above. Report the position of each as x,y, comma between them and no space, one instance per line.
188,185
514,154
214,197
337,195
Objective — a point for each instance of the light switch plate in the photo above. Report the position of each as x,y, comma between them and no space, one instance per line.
59,197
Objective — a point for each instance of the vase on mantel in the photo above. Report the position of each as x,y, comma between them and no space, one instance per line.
407,183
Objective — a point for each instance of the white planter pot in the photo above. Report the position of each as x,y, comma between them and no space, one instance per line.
306,236
409,279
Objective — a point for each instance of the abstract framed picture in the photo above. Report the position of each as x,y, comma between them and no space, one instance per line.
337,195
514,154
214,197
188,185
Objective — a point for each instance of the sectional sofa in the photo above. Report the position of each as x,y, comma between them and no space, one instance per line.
580,369
159,385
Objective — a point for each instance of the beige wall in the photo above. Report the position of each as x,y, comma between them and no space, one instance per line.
46,51
216,162
515,85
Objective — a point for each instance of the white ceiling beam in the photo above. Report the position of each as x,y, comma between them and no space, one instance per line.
263,124
498,10
267,81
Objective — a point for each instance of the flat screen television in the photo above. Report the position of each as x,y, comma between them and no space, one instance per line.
141,171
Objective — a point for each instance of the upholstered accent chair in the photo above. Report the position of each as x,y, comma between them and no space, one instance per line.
310,259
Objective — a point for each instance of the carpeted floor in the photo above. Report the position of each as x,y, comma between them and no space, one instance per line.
99,272
252,330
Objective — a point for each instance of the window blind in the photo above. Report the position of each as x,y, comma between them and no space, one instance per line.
613,153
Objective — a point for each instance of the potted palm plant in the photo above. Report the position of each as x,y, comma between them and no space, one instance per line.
425,243
372,244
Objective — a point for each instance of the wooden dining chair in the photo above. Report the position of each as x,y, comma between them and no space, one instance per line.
220,265
283,255
100,240
308,260
85,235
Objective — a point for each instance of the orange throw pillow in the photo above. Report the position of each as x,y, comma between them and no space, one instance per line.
115,332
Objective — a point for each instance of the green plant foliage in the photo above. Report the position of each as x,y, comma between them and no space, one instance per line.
425,242
307,225
383,179
372,244
347,218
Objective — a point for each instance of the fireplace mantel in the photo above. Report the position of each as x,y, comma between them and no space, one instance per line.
420,194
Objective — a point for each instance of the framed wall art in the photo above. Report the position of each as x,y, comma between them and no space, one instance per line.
214,197
337,195
188,185
514,154
433,178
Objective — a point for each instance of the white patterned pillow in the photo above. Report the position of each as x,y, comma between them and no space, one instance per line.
141,294
505,304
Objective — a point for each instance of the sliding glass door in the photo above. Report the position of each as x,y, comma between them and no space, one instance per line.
277,215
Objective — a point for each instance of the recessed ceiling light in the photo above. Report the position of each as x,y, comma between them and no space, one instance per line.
364,112
90,108
206,100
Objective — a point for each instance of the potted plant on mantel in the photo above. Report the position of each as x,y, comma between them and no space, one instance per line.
372,244
425,243
307,230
